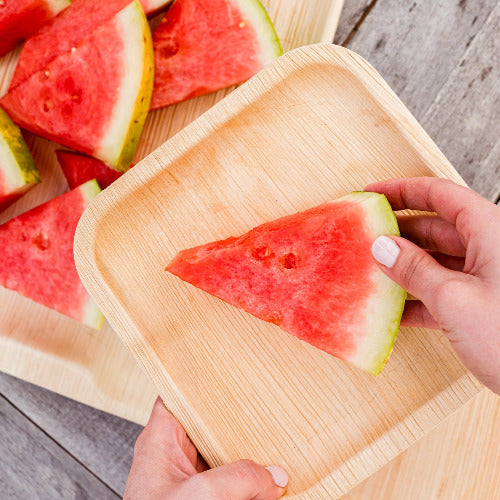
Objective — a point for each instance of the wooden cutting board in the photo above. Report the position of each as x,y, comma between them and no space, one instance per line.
320,122
55,352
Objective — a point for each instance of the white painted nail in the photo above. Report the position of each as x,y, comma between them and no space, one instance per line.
385,251
280,477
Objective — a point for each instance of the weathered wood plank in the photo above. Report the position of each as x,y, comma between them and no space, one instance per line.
454,461
353,14
464,119
33,466
416,45
101,442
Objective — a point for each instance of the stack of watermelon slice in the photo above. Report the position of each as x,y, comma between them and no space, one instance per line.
86,79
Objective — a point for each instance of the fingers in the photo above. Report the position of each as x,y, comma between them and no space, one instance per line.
411,267
416,314
432,233
163,446
453,263
243,480
455,204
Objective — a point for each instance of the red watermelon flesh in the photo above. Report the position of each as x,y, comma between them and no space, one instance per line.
313,275
49,103
62,33
67,30
37,256
78,169
21,18
204,46
93,98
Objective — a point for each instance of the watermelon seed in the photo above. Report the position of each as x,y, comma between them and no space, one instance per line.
48,105
289,261
242,24
262,253
274,317
73,50
41,241
169,49
47,73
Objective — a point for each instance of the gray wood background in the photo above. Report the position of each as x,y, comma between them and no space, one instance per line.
442,58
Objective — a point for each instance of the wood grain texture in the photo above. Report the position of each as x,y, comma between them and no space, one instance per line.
460,459
43,347
464,119
424,462
460,111
316,124
416,45
101,442
34,466
353,15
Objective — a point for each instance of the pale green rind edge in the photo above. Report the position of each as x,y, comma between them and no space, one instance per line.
143,100
92,316
388,226
260,20
398,292
25,164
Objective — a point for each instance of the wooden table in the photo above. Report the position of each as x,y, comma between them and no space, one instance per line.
443,60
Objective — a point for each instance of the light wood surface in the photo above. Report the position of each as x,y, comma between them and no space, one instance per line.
103,444
316,124
57,353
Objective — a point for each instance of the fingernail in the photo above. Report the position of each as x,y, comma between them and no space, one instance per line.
280,477
385,251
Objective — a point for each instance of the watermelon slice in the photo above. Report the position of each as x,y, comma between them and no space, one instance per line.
313,275
18,172
95,97
21,18
37,255
78,168
68,29
204,46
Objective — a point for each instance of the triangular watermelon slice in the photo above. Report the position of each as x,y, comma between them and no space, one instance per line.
204,46
37,256
68,29
18,173
313,275
95,97
78,169
21,18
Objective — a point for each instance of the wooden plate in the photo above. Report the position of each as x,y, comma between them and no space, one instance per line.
318,123
55,352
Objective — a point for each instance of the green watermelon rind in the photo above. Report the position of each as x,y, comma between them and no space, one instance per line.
387,309
119,155
257,15
92,315
23,164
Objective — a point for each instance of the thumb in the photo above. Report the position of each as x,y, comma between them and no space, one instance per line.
243,480
412,268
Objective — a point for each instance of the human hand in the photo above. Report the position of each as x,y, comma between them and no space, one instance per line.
167,466
458,279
